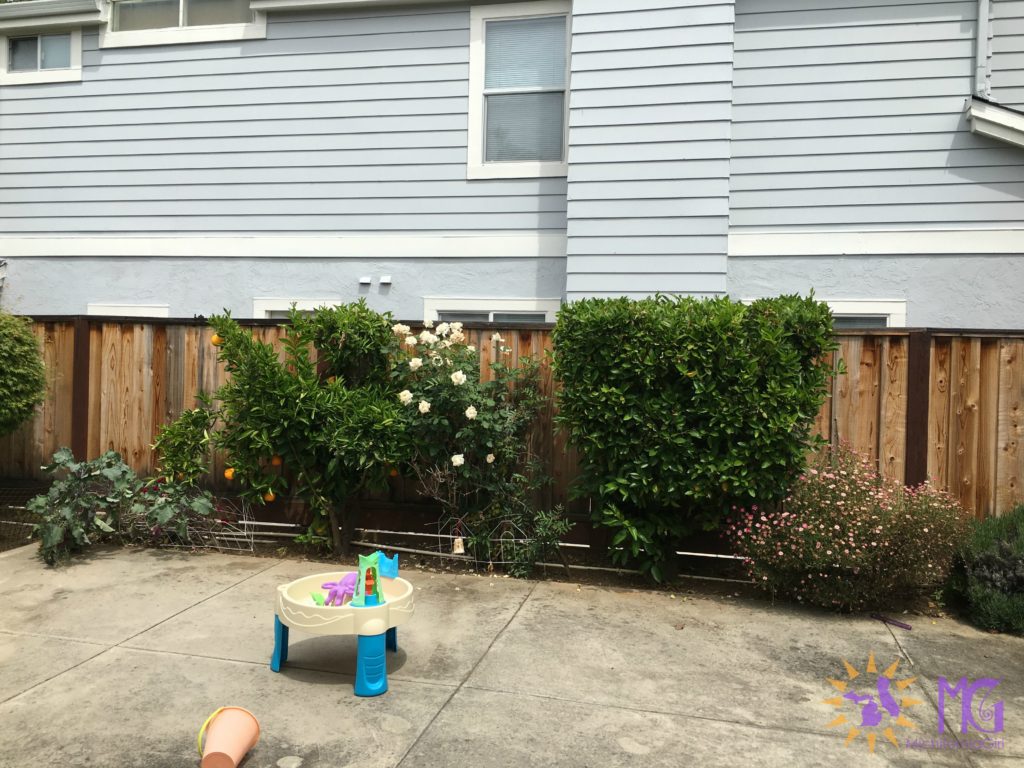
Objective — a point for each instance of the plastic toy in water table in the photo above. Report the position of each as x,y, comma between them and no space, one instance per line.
381,601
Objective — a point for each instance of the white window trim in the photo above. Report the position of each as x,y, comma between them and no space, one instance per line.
207,33
432,305
894,310
129,310
479,15
262,307
72,74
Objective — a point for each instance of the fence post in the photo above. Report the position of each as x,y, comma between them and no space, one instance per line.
80,390
919,353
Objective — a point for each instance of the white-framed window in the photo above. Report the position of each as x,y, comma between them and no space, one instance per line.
165,22
868,313
484,310
518,90
40,57
270,308
129,310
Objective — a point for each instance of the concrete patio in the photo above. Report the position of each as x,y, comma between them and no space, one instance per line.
116,660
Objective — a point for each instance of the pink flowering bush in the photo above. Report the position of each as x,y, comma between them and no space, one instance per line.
846,538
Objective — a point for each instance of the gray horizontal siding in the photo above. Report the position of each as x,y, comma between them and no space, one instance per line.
1007,64
649,144
849,115
339,122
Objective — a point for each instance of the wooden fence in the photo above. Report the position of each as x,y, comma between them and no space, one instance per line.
922,404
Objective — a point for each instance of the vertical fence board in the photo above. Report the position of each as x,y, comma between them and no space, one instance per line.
893,409
855,412
988,413
1010,427
964,392
95,390
938,414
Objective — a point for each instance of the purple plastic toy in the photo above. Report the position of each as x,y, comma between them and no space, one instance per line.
338,589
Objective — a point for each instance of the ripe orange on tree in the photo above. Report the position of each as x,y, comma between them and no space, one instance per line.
216,339
229,473
269,496
276,461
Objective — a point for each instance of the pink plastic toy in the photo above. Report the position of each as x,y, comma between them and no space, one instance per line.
339,589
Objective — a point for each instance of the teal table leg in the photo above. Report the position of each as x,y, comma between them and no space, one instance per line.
392,639
371,666
280,655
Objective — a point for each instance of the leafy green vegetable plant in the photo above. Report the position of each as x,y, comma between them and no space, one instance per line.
81,506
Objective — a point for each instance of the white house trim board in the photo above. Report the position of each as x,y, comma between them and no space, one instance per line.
877,243
988,119
262,307
432,305
209,33
129,310
479,15
895,310
363,247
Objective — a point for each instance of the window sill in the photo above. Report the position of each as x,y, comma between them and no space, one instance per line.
515,170
212,33
41,76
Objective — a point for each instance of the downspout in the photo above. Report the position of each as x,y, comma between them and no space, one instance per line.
981,80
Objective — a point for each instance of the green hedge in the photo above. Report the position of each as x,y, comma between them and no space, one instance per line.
681,408
22,377
990,575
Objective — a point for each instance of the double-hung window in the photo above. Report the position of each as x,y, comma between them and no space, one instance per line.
518,83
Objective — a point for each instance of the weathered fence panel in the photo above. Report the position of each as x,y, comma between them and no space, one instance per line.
949,406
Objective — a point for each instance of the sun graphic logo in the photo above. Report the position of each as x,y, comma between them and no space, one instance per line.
874,704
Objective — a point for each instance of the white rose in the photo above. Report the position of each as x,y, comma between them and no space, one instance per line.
457,336
410,340
458,460
458,378
424,406
490,458
415,364
442,329
456,327
471,348
405,397
427,337
496,337
428,323
471,413
400,330
436,360
446,343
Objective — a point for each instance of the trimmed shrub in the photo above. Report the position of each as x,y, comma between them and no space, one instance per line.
681,408
990,573
22,377
846,538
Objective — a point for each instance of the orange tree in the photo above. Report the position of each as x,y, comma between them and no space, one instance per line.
327,427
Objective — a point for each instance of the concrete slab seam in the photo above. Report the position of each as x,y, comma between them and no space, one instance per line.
193,605
468,675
